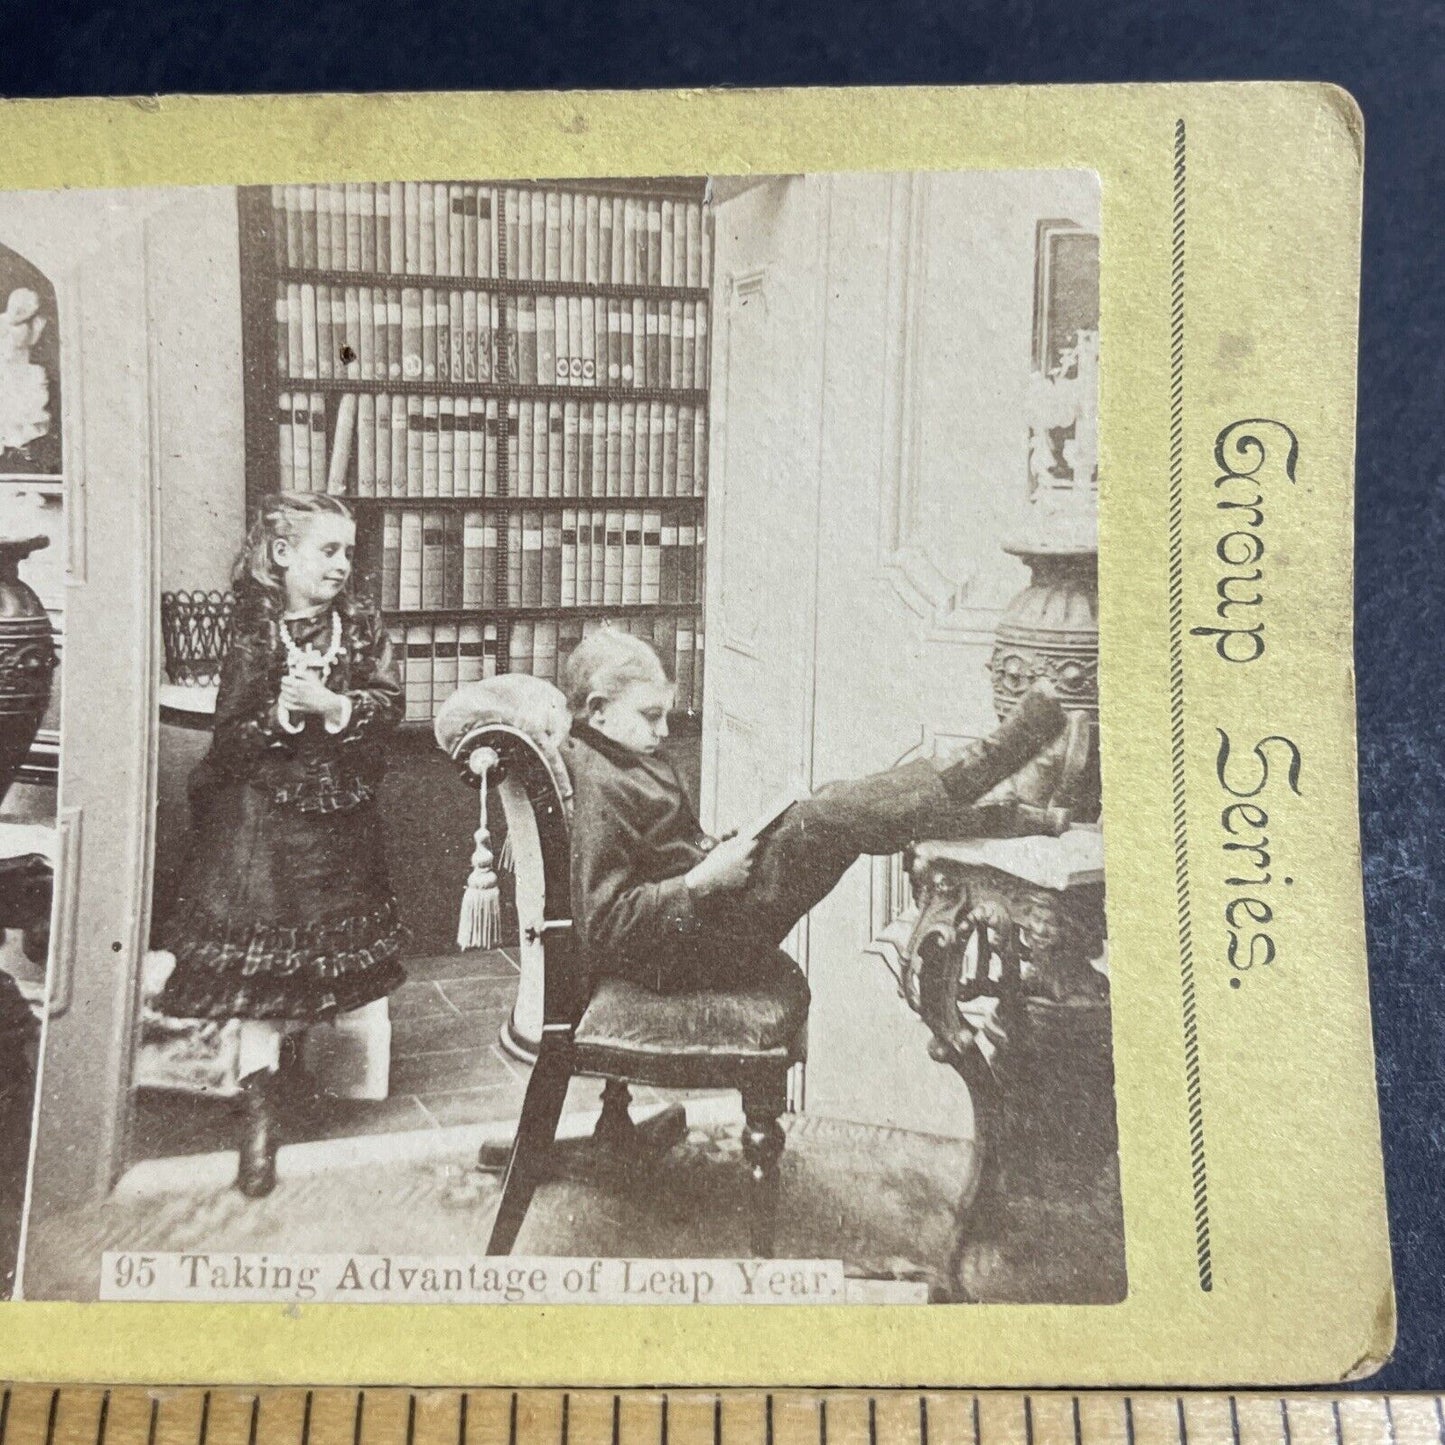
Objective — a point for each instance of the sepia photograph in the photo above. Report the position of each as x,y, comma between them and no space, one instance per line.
620,784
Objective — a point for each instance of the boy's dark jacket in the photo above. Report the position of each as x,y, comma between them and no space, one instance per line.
634,836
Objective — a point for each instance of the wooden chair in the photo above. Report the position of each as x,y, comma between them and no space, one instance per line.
615,1029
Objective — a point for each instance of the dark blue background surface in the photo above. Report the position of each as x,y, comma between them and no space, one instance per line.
1391,55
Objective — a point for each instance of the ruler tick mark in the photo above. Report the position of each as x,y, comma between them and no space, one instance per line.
923,1420
1183,1423
205,1419
103,1419
976,1436
1389,1421
566,1410
411,1418
1029,1419
461,1420
255,1420
768,1418
155,1418
360,1412
511,1421
822,1421
1129,1419
717,1420
1439,1419
50,1418
617,1421
1284,1420
1339,1424
1234,1420
306,1420
1078,1434
873,1421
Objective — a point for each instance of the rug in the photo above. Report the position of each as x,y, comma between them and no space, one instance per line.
884,1201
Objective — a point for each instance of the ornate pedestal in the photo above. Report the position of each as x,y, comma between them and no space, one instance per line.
1003,959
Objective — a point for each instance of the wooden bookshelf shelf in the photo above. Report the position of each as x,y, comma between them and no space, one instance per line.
411,545
492,285
498,390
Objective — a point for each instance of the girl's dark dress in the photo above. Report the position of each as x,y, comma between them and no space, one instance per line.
285,908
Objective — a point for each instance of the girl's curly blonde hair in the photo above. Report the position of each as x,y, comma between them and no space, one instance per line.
255,575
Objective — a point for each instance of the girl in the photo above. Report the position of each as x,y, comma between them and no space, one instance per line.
285,915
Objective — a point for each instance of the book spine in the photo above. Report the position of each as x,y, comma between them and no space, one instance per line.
470,265
381,244
640,450
700,345
684,451
469,651
513,568
548,361
667,559
301,441
612,563
366,445
444,666
453,559
523,641
699,641
582,568
455,219
687,361
571,448
461,448
604,240
489,560
632,558
411,334
413,446
291,200
531,562
553,472
698,460
598,484
352,202
433,537
391,560
639,343
656,437
429,447
395,337
336,212
567,233
654,242
544,651
665,235
317,458
492,451
409,585
489,649
551,559
306,202
651,557
446,446
428,334
383,446
381,333
567,581
627,458
672,375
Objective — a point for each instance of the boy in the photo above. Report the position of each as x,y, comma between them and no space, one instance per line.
656,900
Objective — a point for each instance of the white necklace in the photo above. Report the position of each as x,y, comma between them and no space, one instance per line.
308,661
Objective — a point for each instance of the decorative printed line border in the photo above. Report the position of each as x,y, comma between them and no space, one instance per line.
1176,722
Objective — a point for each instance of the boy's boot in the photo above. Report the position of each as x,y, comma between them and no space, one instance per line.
256,1174
1033,724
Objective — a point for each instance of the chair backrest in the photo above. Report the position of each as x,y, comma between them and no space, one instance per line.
539,841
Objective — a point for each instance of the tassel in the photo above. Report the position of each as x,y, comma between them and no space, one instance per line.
480,923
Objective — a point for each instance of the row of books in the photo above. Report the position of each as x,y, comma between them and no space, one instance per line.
573,557
445,446
381,333
435,658
456,228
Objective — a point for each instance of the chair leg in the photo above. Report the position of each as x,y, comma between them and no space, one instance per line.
762,1148
536,1131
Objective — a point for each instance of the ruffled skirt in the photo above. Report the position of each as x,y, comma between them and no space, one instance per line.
281,914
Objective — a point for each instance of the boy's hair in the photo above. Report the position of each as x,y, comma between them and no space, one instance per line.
608,661
283,514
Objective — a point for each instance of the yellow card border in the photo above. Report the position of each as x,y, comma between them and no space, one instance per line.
1250,1157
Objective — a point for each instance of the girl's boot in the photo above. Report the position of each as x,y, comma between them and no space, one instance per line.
256,1175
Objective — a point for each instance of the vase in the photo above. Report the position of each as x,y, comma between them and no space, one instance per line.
1051,631
27,658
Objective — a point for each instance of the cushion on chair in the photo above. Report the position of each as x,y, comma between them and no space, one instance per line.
517,700
764,1019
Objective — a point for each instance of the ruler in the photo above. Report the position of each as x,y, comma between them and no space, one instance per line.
133,1415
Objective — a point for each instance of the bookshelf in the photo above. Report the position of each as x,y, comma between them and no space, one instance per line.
508,382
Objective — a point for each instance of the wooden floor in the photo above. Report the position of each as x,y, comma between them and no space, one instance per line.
446,1067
